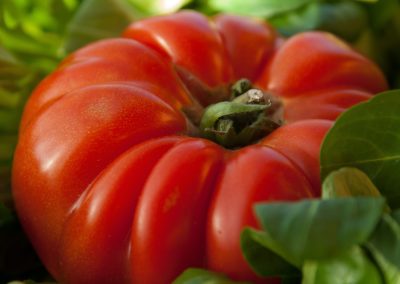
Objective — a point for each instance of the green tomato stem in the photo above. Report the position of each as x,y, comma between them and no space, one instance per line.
239,122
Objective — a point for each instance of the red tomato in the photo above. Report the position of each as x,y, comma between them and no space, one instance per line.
108,183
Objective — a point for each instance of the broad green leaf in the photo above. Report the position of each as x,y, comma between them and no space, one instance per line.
201,276
396,215
386,239
347,182
367,137
98,19
390,273
259,8
319,229
350,267
257,249
384,246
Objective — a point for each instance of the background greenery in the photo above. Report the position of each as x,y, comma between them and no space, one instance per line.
35,35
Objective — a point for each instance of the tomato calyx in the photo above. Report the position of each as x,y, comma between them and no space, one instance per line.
240,87
242,121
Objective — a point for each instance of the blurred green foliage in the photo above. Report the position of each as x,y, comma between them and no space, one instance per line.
35,35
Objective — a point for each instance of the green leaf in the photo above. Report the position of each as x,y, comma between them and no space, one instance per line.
201,276
350,267
257,249
367,137
390,273
386,239
319,229
384,246
396,215
347,182
259,8
98,19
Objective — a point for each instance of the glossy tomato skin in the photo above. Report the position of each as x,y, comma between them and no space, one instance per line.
265,174
176,209
69,154
237,37
300,142
108,184
100,233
